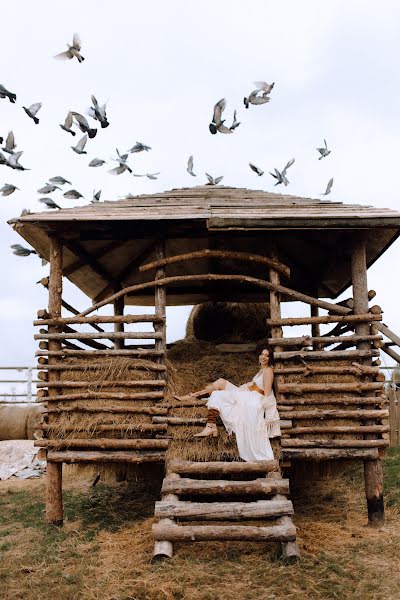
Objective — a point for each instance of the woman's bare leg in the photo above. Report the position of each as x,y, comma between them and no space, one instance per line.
217,385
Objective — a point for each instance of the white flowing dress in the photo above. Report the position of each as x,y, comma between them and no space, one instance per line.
251,416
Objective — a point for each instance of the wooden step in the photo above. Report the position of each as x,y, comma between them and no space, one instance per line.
210,511
89,456
198,533
213,487
321,454
188,467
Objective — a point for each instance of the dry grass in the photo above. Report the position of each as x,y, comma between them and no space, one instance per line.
103,551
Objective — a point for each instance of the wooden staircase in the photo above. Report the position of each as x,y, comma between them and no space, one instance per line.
225,492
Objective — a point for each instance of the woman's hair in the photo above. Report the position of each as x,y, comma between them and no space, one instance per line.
265,346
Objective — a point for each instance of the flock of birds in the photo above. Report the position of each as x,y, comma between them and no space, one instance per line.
77,121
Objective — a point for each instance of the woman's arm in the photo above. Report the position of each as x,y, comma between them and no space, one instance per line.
268,380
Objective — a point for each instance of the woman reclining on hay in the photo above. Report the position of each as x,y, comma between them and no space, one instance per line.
249,411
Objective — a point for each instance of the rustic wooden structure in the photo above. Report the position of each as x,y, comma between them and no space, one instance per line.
163,250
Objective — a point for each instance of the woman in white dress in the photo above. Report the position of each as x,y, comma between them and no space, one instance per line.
249,411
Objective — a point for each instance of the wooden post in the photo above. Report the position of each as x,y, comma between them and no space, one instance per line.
54,505
315,328
119,304
160,302
373,471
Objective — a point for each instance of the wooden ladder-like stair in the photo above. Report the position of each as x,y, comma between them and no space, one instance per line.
188,487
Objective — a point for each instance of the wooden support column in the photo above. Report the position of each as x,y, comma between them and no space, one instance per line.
119,304
315,328
373,471
276,331
54,504
160,303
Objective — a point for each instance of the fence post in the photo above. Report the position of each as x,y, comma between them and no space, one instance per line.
29,385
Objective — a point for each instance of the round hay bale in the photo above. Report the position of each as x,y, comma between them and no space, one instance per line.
232,322
14,422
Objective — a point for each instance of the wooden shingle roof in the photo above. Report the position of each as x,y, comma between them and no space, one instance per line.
106,241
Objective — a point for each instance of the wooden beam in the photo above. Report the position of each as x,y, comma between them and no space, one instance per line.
83,254
97,353
292,321
119,305
199,533
312,430
306,340
81,262
323,454
109,335
224,254
324,443
99,319
88,456
104,443
325,354
186,467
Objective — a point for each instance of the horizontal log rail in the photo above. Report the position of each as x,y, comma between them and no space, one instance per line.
227,254
113,444
324,354
225,511
323,443
307,340
102,384
338,429
292,321
300,388
176,421
137,410
125,427
222,486
338,414
105,456
287,403
128,319
186,467
149,366
323,454
199,533
355,369
104,396
109,335
243,279
112,352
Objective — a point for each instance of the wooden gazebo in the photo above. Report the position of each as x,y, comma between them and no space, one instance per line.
191,245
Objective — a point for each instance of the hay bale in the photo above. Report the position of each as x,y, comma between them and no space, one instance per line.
231,322
19,422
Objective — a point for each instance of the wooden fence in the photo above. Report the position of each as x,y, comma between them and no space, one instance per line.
394,415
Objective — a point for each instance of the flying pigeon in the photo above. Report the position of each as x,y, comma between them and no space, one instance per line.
190,166
32,111
21,250
72,195
139,147
255,98
74,50
68,123
328,188
10,144
323,151
99,112
235,122
3,160
48,189
49,203
13,161
8,189
60,180
212,181
256,169
96,197
217,124
4,93
280,176
97,162
83,124
79,148
122,165
148,175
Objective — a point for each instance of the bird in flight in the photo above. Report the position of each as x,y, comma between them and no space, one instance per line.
96,197
148,175
49,203
73,51
10,144
8,189
190,166
255,97
48,189
72,195
13,161
98,112
20,250
80,146
97,162
59,180
122,165
68,123
328,187
256,169
323,151
217,124
139,147
83,124
212,180
32,111
280,176
5,93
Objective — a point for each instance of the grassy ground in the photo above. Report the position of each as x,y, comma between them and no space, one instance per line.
103,551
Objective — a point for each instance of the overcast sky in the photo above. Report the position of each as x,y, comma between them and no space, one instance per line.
161,66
